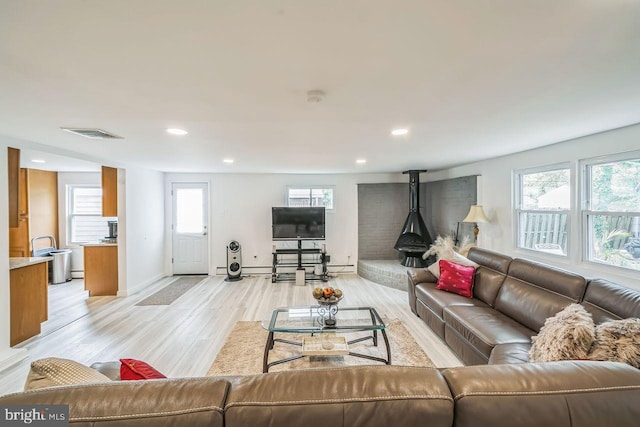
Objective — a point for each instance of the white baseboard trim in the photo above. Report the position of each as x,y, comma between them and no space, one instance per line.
140,286
12,356
248,270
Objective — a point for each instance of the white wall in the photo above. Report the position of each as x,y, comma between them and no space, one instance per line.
141,226
495,193
240,209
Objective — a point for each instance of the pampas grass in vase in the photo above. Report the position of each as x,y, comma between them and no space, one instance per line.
445,248
466,244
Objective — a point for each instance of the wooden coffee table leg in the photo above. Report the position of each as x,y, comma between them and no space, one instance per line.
268,346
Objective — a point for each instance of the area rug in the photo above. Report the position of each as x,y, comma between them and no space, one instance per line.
172,291
244,348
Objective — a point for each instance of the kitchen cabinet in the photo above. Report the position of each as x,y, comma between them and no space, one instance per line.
28,279
13,168
19,245
109,191
37,210
101,269
43,203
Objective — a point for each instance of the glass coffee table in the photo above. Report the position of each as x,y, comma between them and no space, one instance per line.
323,327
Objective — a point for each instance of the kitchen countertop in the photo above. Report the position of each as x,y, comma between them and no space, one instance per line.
99,244
18,262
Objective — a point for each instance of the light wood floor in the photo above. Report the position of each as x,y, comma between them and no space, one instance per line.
183,339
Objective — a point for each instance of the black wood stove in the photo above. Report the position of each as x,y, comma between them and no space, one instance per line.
414,239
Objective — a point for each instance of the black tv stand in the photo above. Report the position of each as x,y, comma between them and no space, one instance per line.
280,260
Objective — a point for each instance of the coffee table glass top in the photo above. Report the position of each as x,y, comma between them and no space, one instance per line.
309,319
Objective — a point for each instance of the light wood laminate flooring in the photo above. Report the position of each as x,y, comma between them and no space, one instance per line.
183,339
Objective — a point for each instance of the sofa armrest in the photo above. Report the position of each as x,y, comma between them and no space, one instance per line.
421,275
415,276
510,353
553,393
197,402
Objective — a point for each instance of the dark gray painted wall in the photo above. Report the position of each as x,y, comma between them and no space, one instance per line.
382,211
383,208
449,202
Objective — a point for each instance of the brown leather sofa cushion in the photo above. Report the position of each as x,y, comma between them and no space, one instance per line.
196,402
367,396
431,303
484,327
490,274
555,394
609,301
492,260
533,292
437,300
510,353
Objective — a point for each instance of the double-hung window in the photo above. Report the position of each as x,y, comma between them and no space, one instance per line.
543,203
84,213
611,210
310,196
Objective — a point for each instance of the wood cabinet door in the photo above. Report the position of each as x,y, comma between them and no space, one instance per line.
13,167
43,205
109,191
19,245
101,270
28,301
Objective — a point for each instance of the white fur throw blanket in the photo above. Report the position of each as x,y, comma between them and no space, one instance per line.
565,336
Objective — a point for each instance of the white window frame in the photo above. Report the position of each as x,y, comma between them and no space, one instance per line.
585,208
313,187
518,210
70,215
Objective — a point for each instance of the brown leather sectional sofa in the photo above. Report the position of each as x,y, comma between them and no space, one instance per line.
512,299
570,393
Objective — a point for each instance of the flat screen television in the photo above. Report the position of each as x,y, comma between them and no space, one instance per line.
297,223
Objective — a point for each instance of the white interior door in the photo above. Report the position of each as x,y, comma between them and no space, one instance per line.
190,233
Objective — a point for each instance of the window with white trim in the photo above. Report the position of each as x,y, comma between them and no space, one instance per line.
543,203
310,196
84,213
611,210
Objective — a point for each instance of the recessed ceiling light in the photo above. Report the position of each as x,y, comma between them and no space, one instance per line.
399,132
38,161
176,131
361,161
228,160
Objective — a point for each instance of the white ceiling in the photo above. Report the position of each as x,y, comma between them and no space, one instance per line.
471,79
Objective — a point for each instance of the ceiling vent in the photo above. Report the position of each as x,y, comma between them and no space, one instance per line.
92,133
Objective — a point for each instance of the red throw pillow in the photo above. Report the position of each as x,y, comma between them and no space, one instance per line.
456,278
132,369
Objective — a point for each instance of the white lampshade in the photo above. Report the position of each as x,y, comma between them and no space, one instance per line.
476,214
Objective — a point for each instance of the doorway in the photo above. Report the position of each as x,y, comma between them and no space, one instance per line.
190,252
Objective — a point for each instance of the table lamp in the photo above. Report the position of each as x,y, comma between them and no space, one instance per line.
476,214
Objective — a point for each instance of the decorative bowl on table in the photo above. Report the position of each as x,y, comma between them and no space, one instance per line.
328,299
